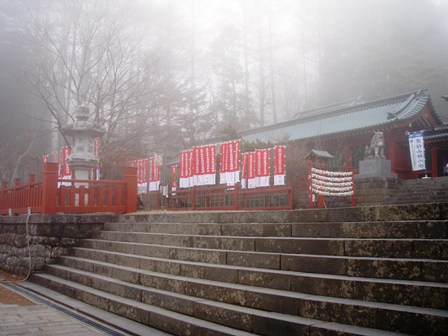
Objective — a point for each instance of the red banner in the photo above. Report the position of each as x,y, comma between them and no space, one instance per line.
236,155
223,158
245,157
198,161
154,170
262,167
184,164
148,171
142,170
64,168
262,162
173,179
154,173
97,147
247,170
97,154
251,171
230,162
279,157
198,166
185,168
205,165
279,165
251,166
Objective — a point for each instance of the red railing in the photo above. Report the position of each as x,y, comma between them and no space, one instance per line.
52,195
231,198
20,197
91,196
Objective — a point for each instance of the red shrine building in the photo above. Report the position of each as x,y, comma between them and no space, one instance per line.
344,130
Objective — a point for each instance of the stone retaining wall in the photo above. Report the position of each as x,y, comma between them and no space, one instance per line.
376,190
49,237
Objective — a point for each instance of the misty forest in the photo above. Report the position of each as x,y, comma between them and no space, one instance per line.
164,75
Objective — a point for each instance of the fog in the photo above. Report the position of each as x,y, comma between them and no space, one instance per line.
164,75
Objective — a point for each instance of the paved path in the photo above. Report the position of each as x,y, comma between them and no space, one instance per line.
21,315
40,320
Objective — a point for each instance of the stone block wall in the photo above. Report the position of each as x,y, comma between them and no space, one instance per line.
376,190
49,236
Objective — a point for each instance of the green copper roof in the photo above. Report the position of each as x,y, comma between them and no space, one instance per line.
346,117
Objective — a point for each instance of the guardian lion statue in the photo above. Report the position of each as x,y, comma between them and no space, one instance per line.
376,148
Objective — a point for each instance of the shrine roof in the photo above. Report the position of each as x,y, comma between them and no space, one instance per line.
436,133
348,116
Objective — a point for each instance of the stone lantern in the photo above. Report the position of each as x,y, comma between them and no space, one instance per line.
82,133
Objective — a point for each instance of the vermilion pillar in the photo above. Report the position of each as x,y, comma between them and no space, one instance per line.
130,177
49,187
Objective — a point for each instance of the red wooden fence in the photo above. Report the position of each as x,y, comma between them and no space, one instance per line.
231,198
71,196
53,195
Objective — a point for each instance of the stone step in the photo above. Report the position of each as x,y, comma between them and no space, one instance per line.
432,211
159,318
414,184
392,248
418,229
411,293
256,229
425,193
117,325
343,271
403,229
265,323
406,199
265,278
388,268
234,305
421,191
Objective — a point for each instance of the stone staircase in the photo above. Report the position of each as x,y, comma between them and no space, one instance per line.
346,271
371,191
422,191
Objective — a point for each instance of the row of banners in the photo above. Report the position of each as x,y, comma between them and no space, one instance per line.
148,173
198,166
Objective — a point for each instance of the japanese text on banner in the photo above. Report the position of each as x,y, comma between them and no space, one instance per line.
417,150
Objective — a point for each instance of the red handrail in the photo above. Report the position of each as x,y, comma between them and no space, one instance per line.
53,195
232,198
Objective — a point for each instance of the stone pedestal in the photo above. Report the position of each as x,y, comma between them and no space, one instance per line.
375,167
